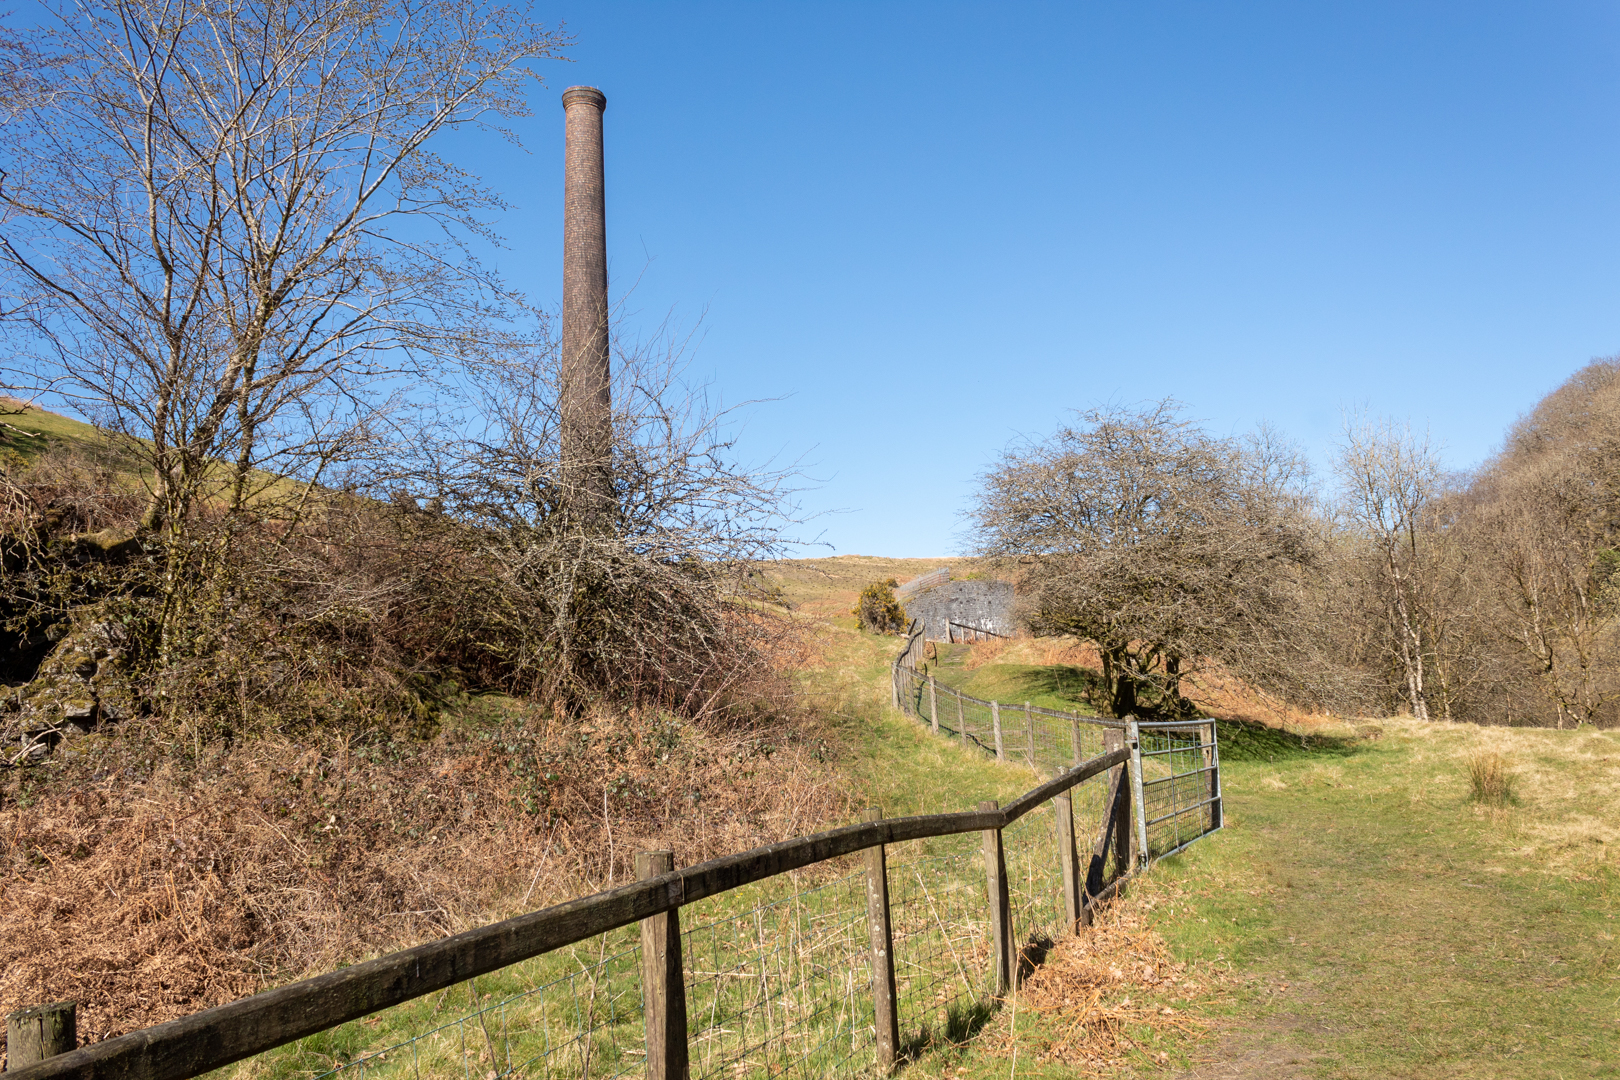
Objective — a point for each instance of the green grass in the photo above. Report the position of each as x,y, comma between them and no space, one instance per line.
31,432
892,761
1414,939
1369,919
1062,686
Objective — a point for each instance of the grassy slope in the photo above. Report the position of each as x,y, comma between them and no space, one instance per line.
1370,921
1417,935
33,430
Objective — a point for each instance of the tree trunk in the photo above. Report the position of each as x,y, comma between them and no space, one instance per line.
1121,684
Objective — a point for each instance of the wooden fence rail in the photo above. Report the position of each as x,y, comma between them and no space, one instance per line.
208,1040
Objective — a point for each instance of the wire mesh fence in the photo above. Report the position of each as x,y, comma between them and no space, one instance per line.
782,988
777,987
941,932
1180,762
1044,739
578,1013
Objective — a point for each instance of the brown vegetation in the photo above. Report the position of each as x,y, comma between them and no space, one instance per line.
146,879
1095,989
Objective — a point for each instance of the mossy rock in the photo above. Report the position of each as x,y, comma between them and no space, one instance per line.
84,682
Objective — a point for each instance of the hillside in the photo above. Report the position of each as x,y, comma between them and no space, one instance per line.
1358,916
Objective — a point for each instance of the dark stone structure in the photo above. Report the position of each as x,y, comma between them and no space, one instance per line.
586,404
964,610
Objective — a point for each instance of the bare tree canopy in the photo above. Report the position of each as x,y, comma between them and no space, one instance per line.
1546,513
229,228
1390,481
652,602
1164,545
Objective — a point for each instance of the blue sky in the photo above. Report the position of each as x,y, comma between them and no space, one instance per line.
932,229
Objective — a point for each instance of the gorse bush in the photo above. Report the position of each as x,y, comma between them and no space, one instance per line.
878,610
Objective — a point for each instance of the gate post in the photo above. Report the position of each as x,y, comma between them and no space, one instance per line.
1068,860
1134,736
39,1032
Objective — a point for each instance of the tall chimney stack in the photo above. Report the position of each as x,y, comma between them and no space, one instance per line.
584,391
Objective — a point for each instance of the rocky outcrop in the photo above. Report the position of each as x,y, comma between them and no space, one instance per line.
963,610
84,682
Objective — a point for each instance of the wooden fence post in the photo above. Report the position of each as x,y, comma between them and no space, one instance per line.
877,920
40,1032
663,986
1212,762
933,705
1068,861
1134,735
995,872
961,720
1029,733
995,722
1074,737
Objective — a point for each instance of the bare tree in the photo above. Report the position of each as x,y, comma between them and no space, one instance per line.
1164,545
1390,479
229,228
653,601
1546,513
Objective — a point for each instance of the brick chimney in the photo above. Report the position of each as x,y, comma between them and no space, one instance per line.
584,391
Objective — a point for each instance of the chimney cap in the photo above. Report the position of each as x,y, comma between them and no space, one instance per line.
589,95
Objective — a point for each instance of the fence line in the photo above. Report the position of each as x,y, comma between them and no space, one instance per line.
1178,775
216,1037
859,963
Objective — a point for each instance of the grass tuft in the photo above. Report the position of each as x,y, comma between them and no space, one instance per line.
1489,780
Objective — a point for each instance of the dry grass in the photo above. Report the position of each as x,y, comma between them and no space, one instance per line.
1489,780
1038,652
146,889
1099,992
1226,697
829,587
1564,812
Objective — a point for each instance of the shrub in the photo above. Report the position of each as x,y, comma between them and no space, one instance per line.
1489,780
878,610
